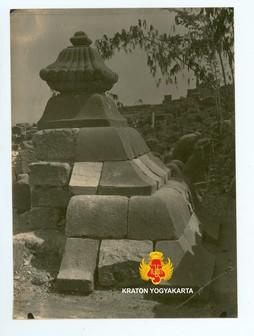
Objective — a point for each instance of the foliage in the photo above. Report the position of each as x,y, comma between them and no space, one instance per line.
190,116
201,41
205,46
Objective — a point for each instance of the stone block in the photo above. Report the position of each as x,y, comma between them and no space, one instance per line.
52,197
134,140
192,231
45,218
49,173
156,166
22,193
125,178
147,171
97,216
99,110
55,144
180,186
119,262
81,110
24,158
85,178
177,206
78,266
60,107
171,249
149,218
186,246
99,144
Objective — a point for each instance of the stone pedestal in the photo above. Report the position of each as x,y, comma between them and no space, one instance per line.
120,200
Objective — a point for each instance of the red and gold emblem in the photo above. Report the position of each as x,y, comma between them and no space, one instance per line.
156,269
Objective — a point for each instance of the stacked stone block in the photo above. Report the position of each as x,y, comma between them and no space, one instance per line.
50,193
122,205
120,200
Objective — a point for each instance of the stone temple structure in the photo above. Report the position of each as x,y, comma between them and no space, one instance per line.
96,175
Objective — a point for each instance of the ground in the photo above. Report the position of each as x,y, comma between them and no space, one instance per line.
37,257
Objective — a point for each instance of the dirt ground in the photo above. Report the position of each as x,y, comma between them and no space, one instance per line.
37,256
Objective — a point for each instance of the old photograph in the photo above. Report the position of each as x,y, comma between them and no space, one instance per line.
123,163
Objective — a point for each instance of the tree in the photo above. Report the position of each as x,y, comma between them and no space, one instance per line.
205,47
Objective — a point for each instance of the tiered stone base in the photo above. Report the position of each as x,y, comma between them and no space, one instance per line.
121,205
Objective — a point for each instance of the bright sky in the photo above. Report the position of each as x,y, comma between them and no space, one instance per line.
39,36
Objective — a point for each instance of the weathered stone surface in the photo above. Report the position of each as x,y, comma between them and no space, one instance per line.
45,218
147,171
101,144
171,249
179,186
24,158
156,166
149,218
192,231
186,246
119,262
78,266
178,209
99,110
123,143
49,173
125,178
131,137
21,193
97,216
79,69
52,197
85,178
55,144
81,110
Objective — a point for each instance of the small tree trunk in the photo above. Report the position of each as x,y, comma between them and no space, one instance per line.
230,61
222,68
218,98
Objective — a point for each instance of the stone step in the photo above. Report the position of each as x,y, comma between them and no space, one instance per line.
177,206
163,216
148,172
156,166
125,178
97,216
85,178
149,218
78,266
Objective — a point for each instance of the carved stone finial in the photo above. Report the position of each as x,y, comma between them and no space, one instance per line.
80,39
79,68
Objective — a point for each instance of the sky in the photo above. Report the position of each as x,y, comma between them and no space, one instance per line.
38,36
